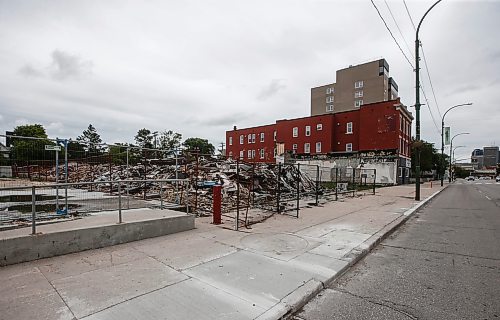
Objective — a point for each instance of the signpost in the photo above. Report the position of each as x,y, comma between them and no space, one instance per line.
57,148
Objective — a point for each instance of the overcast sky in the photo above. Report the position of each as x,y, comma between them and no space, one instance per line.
200,67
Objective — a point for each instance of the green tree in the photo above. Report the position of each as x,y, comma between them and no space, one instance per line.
144,138
430,159
169,140
25,149
199,144
91,140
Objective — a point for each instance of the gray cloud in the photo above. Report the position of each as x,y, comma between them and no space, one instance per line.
67,66
29,71
271,89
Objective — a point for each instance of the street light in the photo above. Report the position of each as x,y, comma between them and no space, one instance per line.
417,104
442,135
451,148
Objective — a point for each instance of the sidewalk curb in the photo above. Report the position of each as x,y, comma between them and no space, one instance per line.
292,303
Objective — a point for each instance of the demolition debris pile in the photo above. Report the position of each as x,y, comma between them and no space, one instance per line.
253,185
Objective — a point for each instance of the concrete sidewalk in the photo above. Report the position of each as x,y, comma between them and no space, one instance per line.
211,272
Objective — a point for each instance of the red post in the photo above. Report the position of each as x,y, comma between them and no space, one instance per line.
217,204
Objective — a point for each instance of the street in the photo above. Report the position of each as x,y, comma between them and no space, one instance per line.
444,263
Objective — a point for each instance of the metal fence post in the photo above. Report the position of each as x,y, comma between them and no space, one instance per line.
161,194
33,210
278,191
128,195
119,202
374,179
336,184
317,185
237,193
298,188
353,180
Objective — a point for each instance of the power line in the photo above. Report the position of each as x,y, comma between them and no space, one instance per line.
409,15
397,26
387,27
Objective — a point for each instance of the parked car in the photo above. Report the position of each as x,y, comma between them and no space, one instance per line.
470,178
497,179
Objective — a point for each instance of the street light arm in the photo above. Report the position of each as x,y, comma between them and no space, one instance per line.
458,105
421,20
458,134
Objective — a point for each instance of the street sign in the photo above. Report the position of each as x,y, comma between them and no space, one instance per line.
52,148
446,135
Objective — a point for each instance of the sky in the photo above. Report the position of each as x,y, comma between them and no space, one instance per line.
201,67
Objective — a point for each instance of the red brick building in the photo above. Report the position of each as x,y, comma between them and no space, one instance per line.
381,126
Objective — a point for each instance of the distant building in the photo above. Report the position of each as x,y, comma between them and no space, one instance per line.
372,128
477,158
490,157
356,85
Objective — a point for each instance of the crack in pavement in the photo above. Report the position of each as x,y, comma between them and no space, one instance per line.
443,252
384,303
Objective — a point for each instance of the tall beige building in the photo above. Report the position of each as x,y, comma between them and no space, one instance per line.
356,85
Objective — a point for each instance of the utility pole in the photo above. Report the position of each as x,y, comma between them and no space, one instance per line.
222,144
417,105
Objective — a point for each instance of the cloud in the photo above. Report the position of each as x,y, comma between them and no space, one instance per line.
225,121
466,88
29,71
271,89
67,66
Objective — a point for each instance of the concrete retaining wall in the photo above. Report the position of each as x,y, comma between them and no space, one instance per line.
29,248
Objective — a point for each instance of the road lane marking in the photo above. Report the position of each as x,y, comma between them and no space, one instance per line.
488,198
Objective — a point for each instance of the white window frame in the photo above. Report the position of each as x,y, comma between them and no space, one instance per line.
230,141
319,127
358,94
348,128
249,138
295,132
358,103
307,147
253,137
308,131
253,154
262,135
329,108
359,84
329,90
242,139
230,154
275,152
242,154
294,146
329,99
261,153
249,154
318,147
348,147
274,135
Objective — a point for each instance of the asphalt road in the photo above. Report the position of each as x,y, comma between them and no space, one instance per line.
444,263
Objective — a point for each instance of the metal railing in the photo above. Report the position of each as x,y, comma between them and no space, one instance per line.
43,202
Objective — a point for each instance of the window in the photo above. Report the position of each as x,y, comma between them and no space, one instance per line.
400,123
253,154
329,99
308,131
319,127
358,94
318,147
295,132
242,138
294,146
348,147
275,152
274,135
262,153
358,84
307,148
249,154
230,141
329,108
230,154
329,90
349,128
262,137
358,103
400,172
241,154
253,137
249,138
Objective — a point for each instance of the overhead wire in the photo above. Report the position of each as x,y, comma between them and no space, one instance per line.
397,26
392,35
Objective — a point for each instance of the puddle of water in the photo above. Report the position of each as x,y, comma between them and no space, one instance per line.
27,198
41,207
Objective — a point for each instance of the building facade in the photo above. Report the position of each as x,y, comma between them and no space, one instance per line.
372,128
356,85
